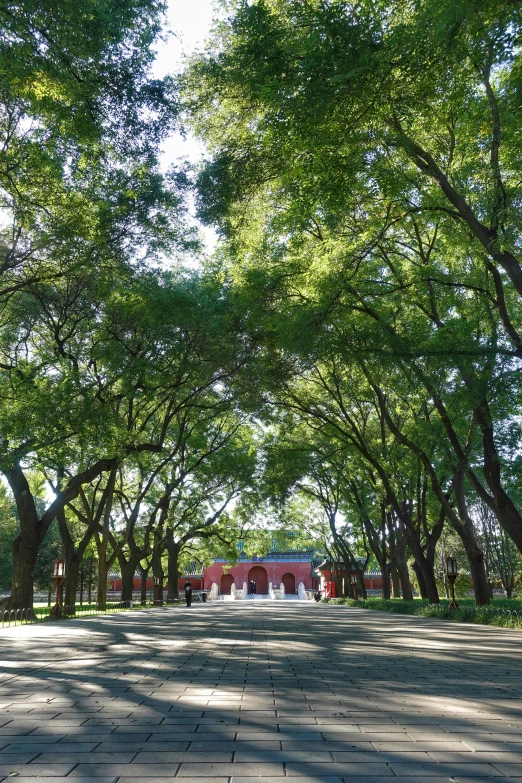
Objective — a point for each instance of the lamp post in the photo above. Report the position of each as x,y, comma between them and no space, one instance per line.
354,584
58,576
450,568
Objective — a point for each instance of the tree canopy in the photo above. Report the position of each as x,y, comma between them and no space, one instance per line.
346,363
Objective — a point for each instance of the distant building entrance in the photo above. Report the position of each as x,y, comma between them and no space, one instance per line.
288,581
225,585
258,575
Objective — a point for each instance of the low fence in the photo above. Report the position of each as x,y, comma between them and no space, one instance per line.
500,616
39,614
488,615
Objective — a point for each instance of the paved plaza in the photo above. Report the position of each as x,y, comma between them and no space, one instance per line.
238,692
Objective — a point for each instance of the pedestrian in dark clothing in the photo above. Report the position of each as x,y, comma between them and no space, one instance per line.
254,585
188,592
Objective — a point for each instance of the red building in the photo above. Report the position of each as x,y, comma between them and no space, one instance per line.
288,568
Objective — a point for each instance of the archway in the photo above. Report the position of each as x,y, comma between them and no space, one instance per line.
258,575
288,581
225,585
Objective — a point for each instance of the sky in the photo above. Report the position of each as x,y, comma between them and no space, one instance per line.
189,22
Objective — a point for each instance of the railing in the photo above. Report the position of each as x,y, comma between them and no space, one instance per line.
510,617
18,616
30,616
499,616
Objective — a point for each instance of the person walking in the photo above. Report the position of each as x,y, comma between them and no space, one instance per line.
188,592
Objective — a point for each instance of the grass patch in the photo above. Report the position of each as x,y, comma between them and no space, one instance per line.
502,612
41,612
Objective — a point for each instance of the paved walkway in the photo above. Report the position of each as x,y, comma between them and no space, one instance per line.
235,692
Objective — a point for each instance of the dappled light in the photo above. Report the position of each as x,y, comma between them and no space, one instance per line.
263,690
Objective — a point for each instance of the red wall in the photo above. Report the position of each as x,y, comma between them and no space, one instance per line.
116,584
275,571
196,583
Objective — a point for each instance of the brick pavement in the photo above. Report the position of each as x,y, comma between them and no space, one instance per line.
257,692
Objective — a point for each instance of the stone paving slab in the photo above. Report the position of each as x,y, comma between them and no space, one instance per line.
178,780
23,779
264,692
343,769
451,770
36,770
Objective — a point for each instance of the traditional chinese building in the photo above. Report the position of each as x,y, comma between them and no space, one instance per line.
289,567
281,565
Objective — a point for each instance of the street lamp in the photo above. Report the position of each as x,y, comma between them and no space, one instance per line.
450,568
354,584
58,576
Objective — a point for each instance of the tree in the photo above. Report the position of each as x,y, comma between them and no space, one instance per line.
8,532
224,472
503,558
80,184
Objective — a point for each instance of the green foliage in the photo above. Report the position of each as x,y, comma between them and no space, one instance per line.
507,614
345,368
8,531
364,176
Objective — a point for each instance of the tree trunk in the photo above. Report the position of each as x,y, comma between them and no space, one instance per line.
128,570
432,593
71,563
173,549
25,553
396,585
399,551
362,586
26,544
475,557
157,570
103,576
73,556
466,532
34,529
385,574
385,578
404,576
71,580
420,579
507,514
102,542
127,580
338,583
425,568
143,596
81,586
